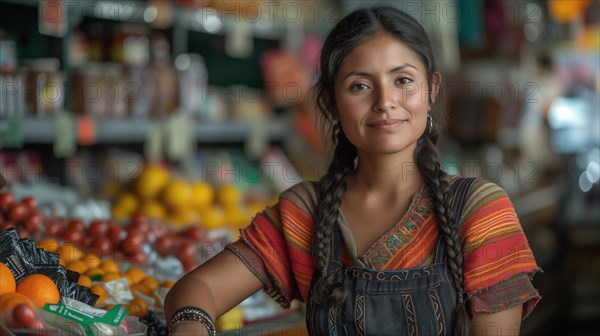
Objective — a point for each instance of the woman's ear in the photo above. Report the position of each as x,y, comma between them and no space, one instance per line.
436,81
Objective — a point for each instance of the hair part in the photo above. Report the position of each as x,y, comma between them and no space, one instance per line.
354,29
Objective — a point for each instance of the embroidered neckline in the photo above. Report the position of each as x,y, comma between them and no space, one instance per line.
415,213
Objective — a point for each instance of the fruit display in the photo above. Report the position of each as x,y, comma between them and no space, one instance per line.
103,266
157,194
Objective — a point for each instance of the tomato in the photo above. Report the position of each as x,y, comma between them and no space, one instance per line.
137,218
30,202
33,222
76,224
73,235
98,228
52,226
17,212
187,251
6,199
165,245
137,257
24,315
140,225
115,233
194,232
132,243
102,246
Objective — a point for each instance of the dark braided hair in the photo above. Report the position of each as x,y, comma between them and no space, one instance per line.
352,30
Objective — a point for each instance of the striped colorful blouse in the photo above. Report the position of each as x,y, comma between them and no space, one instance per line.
498,262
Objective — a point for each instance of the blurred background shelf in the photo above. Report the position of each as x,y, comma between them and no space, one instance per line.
38,130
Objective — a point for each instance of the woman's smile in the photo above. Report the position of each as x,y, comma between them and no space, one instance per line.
387,124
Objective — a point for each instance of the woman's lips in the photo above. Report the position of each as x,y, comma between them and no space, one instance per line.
389,123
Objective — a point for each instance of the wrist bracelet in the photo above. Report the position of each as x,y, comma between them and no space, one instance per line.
190,313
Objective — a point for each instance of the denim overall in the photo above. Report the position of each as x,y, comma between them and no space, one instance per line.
414,301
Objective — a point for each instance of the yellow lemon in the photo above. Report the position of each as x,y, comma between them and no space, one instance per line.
154,209
177,195
125,205
202,195
212,218
229,195
151,181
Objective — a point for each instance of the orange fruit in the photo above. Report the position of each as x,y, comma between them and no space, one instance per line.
77,266
135,309
49,245
142,303
203,195
85,280
151,181
99,290
150,283
39,288
136,274
168,284
8,301
92,260
69,252
111,276
109,266
129,278
7,280
94,271
177,194
134,288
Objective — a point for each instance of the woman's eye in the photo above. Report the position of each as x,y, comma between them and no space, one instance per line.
359,87
403,80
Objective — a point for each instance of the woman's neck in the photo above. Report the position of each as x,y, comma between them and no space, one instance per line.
386,175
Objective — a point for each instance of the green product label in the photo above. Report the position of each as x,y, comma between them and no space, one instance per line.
113,317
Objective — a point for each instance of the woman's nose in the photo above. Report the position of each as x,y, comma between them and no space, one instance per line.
384,100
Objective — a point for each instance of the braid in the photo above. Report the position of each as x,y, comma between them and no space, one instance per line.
327,289
426,158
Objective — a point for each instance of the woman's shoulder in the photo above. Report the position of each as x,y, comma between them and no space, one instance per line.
481,188
484,197
302,195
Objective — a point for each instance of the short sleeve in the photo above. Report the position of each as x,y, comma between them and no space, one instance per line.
498,262
265,238
277,245
516,290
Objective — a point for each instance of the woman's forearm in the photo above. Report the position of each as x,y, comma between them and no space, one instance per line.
216,287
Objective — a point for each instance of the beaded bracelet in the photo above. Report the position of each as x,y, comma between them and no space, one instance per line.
190,313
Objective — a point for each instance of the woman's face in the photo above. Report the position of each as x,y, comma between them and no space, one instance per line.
382,96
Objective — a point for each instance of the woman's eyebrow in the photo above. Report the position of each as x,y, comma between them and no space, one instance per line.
366,74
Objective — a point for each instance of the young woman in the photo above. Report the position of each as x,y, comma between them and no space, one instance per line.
386,243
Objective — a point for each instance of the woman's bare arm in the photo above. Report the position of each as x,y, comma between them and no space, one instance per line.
505,323
216,286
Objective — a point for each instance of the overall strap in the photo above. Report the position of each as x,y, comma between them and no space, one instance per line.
460,190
